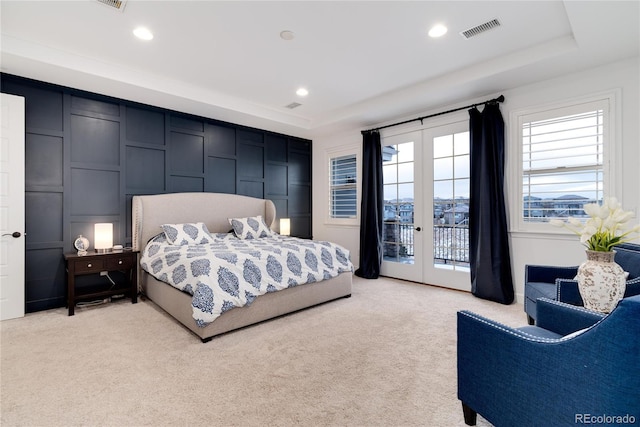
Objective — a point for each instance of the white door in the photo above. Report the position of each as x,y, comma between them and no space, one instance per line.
426,203
12,242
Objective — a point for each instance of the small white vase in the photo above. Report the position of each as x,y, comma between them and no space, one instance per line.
601,281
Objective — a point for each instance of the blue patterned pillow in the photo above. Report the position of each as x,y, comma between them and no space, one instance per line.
250,228
187,234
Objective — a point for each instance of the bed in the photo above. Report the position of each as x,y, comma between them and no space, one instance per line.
150,212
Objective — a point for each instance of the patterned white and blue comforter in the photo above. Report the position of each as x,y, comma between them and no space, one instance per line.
231,272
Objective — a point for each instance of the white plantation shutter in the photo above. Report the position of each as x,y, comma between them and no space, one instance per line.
563,160
343,197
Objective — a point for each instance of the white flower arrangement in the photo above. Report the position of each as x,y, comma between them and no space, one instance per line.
605,228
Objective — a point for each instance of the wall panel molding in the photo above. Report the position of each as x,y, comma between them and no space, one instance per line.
87,155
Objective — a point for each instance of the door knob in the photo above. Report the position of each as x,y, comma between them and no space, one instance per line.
15,234
418,229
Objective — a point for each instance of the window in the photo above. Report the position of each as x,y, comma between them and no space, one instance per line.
564,161
343,193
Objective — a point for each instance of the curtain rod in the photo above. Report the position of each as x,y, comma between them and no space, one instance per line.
498,99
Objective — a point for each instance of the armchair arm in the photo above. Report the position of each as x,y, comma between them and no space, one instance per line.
563,318
548,273
633,287
567,290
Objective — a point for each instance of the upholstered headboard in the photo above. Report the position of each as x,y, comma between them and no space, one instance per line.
214,209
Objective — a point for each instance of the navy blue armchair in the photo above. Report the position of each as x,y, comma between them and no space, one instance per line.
556,373
543,281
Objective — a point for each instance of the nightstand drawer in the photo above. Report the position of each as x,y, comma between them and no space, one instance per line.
124,262
88,266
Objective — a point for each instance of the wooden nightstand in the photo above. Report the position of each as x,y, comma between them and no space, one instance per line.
94,263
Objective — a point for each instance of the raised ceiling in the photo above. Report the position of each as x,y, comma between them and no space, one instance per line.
363,62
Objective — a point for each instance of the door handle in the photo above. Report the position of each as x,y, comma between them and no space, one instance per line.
15,234
418,229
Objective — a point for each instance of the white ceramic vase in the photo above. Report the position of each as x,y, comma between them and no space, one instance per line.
601,281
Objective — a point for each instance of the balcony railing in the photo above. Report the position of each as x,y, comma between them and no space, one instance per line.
450,243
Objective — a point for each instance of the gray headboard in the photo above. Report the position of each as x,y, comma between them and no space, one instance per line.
214,209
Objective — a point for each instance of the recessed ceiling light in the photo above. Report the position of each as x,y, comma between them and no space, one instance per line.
143,33
302,92
437,30
287,35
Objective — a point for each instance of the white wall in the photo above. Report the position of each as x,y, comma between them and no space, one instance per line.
526,248
345,235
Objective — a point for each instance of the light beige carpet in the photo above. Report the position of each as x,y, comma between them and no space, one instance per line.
384,357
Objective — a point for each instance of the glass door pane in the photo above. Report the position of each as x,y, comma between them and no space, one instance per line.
398,222
451,201
402,243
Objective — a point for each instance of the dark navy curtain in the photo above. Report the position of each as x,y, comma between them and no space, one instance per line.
371,211
489,257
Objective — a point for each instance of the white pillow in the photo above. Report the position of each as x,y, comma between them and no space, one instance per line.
187,234
574,334
252,227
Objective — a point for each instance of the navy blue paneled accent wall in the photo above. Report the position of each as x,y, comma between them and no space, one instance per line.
87,155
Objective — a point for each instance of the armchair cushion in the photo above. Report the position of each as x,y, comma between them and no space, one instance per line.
537,290
540,282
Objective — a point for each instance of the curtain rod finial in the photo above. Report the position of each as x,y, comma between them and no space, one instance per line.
500,98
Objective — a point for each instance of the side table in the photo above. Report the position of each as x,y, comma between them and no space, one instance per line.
95,263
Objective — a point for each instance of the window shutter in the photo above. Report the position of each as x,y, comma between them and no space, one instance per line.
562,164
343,196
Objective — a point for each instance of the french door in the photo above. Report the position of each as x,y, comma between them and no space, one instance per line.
426,201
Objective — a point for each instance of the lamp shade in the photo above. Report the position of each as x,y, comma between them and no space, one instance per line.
285,227
103,237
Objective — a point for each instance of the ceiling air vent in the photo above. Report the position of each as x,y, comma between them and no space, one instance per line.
114,4
472,32
293,105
